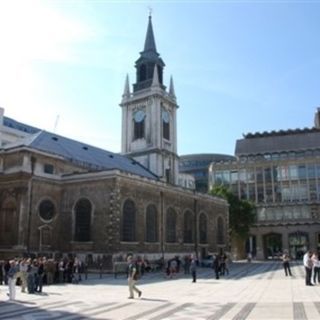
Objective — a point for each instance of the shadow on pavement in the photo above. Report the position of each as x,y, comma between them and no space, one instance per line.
20,309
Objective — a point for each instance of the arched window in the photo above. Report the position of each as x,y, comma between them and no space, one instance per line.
143,72
83,210
128,232
220,232
188,227
203,238
151,224
171,222
9,223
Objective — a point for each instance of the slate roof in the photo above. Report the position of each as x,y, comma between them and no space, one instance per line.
10,123
292,140
81,154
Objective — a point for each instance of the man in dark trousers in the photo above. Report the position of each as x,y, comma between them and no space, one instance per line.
193,268
307,262
286,265
216,266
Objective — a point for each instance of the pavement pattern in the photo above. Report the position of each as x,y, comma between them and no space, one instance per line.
251,291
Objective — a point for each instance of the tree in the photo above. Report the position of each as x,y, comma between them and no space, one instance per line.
241,212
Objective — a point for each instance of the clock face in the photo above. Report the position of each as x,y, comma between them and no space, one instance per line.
139,116
165,116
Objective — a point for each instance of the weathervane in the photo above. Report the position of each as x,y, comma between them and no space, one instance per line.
150,11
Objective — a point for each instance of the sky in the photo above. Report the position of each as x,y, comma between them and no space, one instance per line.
237,66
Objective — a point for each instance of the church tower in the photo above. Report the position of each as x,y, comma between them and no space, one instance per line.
149,115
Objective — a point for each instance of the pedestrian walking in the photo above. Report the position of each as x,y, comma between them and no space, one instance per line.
216,266
12,273
316,268
286,264
223,265
307,262
193,269
23,269
132,278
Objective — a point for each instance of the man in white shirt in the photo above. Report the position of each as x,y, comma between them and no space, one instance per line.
307,262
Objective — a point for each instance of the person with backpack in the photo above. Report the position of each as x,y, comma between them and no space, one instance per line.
133,275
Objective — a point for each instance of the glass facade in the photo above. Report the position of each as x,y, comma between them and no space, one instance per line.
272,183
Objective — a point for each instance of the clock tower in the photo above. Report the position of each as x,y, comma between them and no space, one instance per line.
149,115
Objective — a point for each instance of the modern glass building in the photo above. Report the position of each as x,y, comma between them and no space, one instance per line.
280,173
198,165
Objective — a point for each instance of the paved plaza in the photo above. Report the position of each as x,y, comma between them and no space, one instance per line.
258,290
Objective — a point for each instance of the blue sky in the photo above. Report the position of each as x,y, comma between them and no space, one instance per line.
238,66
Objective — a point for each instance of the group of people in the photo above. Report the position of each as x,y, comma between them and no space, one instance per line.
312,267
311,264
30,274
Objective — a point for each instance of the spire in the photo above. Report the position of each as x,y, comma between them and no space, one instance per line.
145,65
155,79
171,89
150,44
126,91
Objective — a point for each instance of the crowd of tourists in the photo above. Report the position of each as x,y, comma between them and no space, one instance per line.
31,274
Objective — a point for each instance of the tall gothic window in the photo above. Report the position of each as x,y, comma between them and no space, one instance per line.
128,232
171,222
83,210
220,233
188,227
151,224
203,238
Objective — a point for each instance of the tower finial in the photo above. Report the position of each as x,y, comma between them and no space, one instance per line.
155,80
126,91
171,89
150,12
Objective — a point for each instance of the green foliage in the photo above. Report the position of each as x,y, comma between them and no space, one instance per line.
241,212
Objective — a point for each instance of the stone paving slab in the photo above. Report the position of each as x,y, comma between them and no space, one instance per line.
252,291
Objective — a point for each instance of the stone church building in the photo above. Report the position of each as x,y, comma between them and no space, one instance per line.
59,196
